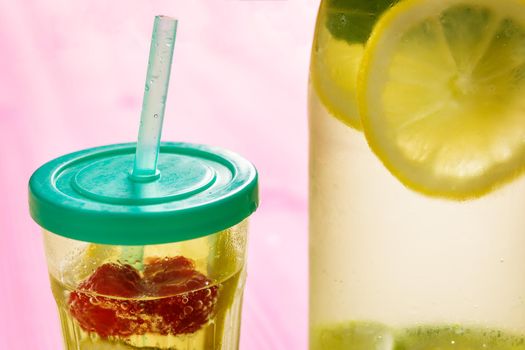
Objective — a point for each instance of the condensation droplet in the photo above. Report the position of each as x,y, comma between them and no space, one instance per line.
155,116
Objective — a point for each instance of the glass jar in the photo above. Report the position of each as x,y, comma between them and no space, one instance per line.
417,132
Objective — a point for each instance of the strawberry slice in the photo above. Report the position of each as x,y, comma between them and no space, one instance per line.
91,304
185,313
170,276
189,299
114,280
107,316
108,303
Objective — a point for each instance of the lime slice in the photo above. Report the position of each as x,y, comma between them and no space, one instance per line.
335,66
352,335
442,94
456,338
374,336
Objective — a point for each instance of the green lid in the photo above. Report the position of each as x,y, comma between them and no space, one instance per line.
90,196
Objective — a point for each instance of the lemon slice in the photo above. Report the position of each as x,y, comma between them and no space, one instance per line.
334,75
441,94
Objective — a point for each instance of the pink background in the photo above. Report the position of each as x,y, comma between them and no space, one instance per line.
71,77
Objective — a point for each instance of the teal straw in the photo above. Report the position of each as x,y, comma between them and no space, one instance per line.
152,116
154,101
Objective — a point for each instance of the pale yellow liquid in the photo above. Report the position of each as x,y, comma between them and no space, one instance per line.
220,333
382,252
392,268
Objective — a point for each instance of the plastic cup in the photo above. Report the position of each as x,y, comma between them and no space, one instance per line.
158,264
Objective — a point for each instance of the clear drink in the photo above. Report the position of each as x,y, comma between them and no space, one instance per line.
219,331
183,295
417,127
